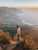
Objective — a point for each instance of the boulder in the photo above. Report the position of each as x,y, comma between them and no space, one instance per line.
16,38
11,46
0,48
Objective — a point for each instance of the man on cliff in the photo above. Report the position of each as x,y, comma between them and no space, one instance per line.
18,32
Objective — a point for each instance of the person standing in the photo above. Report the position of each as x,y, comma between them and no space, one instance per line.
18,32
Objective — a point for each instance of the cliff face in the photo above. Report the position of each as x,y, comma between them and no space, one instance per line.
5,39
7,46
25,32
11,46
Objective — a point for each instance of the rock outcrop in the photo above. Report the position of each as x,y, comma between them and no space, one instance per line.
0,48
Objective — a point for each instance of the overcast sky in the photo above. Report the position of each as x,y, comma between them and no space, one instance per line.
19,3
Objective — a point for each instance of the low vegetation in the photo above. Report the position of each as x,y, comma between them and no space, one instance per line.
28,44
5,37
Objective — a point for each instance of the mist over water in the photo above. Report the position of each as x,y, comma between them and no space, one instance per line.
29,16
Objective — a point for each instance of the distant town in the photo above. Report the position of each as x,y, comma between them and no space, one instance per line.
8,17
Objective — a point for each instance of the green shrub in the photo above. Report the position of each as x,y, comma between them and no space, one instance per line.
28,44
5,38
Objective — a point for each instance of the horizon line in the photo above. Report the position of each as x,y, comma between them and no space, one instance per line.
27,7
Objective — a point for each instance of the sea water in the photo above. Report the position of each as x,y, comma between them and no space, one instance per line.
29,16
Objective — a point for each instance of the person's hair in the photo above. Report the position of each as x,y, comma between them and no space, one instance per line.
17,26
